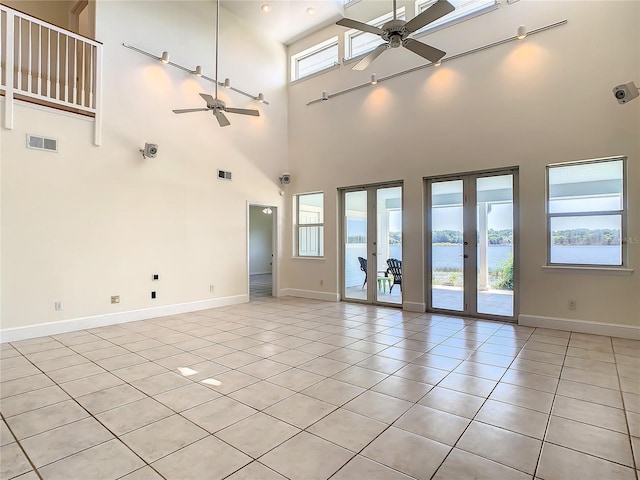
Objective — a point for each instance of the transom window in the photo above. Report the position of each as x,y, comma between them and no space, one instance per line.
465,9
314,59
586,213
310,224
358,43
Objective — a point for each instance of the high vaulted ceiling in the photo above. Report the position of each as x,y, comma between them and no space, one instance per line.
288,20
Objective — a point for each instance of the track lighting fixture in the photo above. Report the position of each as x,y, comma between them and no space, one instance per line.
227,83
198,71
165,57
522,32
260,97
374,79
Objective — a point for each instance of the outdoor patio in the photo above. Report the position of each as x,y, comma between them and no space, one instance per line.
490,302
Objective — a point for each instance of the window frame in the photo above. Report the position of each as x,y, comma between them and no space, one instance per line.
298,226
376,22
310,52
421,5
622,213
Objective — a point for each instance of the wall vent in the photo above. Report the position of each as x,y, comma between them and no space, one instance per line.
224,175
42,143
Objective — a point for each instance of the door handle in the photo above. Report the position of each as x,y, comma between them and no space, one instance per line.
374,254
465,256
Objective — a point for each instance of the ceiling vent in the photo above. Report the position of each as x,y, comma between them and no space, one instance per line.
224,175
42,143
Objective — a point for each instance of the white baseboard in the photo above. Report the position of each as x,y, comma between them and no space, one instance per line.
582,326
311,294
414,307
83,323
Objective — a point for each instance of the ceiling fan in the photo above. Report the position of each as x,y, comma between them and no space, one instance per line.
396,32
217,106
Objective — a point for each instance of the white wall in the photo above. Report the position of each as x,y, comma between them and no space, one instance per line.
91,222
260,240
52,11
542,100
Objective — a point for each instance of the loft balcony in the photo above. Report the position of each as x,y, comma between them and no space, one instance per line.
47,65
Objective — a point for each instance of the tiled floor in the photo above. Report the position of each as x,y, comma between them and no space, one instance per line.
260,285
299,389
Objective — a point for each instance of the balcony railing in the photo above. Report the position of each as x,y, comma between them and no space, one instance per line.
48,65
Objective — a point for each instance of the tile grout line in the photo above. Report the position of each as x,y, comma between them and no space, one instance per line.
553,403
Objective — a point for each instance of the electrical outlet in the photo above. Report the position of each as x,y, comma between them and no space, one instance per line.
153,294
155,276
211,288
58,306
321,282
572,304
115,298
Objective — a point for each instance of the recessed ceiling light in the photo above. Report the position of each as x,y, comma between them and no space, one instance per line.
311,11
266,7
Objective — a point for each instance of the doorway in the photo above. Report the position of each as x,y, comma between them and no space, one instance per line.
262,228
372,244
472,244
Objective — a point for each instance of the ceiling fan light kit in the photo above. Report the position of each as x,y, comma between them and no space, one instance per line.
395,33
521,33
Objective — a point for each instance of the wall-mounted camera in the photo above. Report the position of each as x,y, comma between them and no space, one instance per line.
285,178
626,92
150,150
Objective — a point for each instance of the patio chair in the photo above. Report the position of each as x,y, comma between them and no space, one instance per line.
395,269
363,267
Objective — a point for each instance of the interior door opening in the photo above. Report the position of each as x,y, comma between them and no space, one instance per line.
262,228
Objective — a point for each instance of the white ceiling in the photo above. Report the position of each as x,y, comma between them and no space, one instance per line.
288,20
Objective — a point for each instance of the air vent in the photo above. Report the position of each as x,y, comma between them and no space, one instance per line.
224,175
42,143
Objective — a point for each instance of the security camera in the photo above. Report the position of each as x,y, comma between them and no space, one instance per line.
285,178
626,92
150,150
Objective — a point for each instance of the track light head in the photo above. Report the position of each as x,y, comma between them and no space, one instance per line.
522,32
165,57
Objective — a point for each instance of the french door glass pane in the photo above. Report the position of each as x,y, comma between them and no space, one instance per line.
447,262
494,225
389,245
355,246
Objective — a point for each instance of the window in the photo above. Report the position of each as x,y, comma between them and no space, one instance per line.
586,213
310,224
465,9
315,59
358,43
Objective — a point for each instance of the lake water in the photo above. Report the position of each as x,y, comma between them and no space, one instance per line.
449,256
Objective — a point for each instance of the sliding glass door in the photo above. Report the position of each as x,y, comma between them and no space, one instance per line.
372,244
471,244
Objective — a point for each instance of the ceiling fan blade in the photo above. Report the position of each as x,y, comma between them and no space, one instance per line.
189,110
365,27
425,51
222,119
366,61
208,98
243,111
431,14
